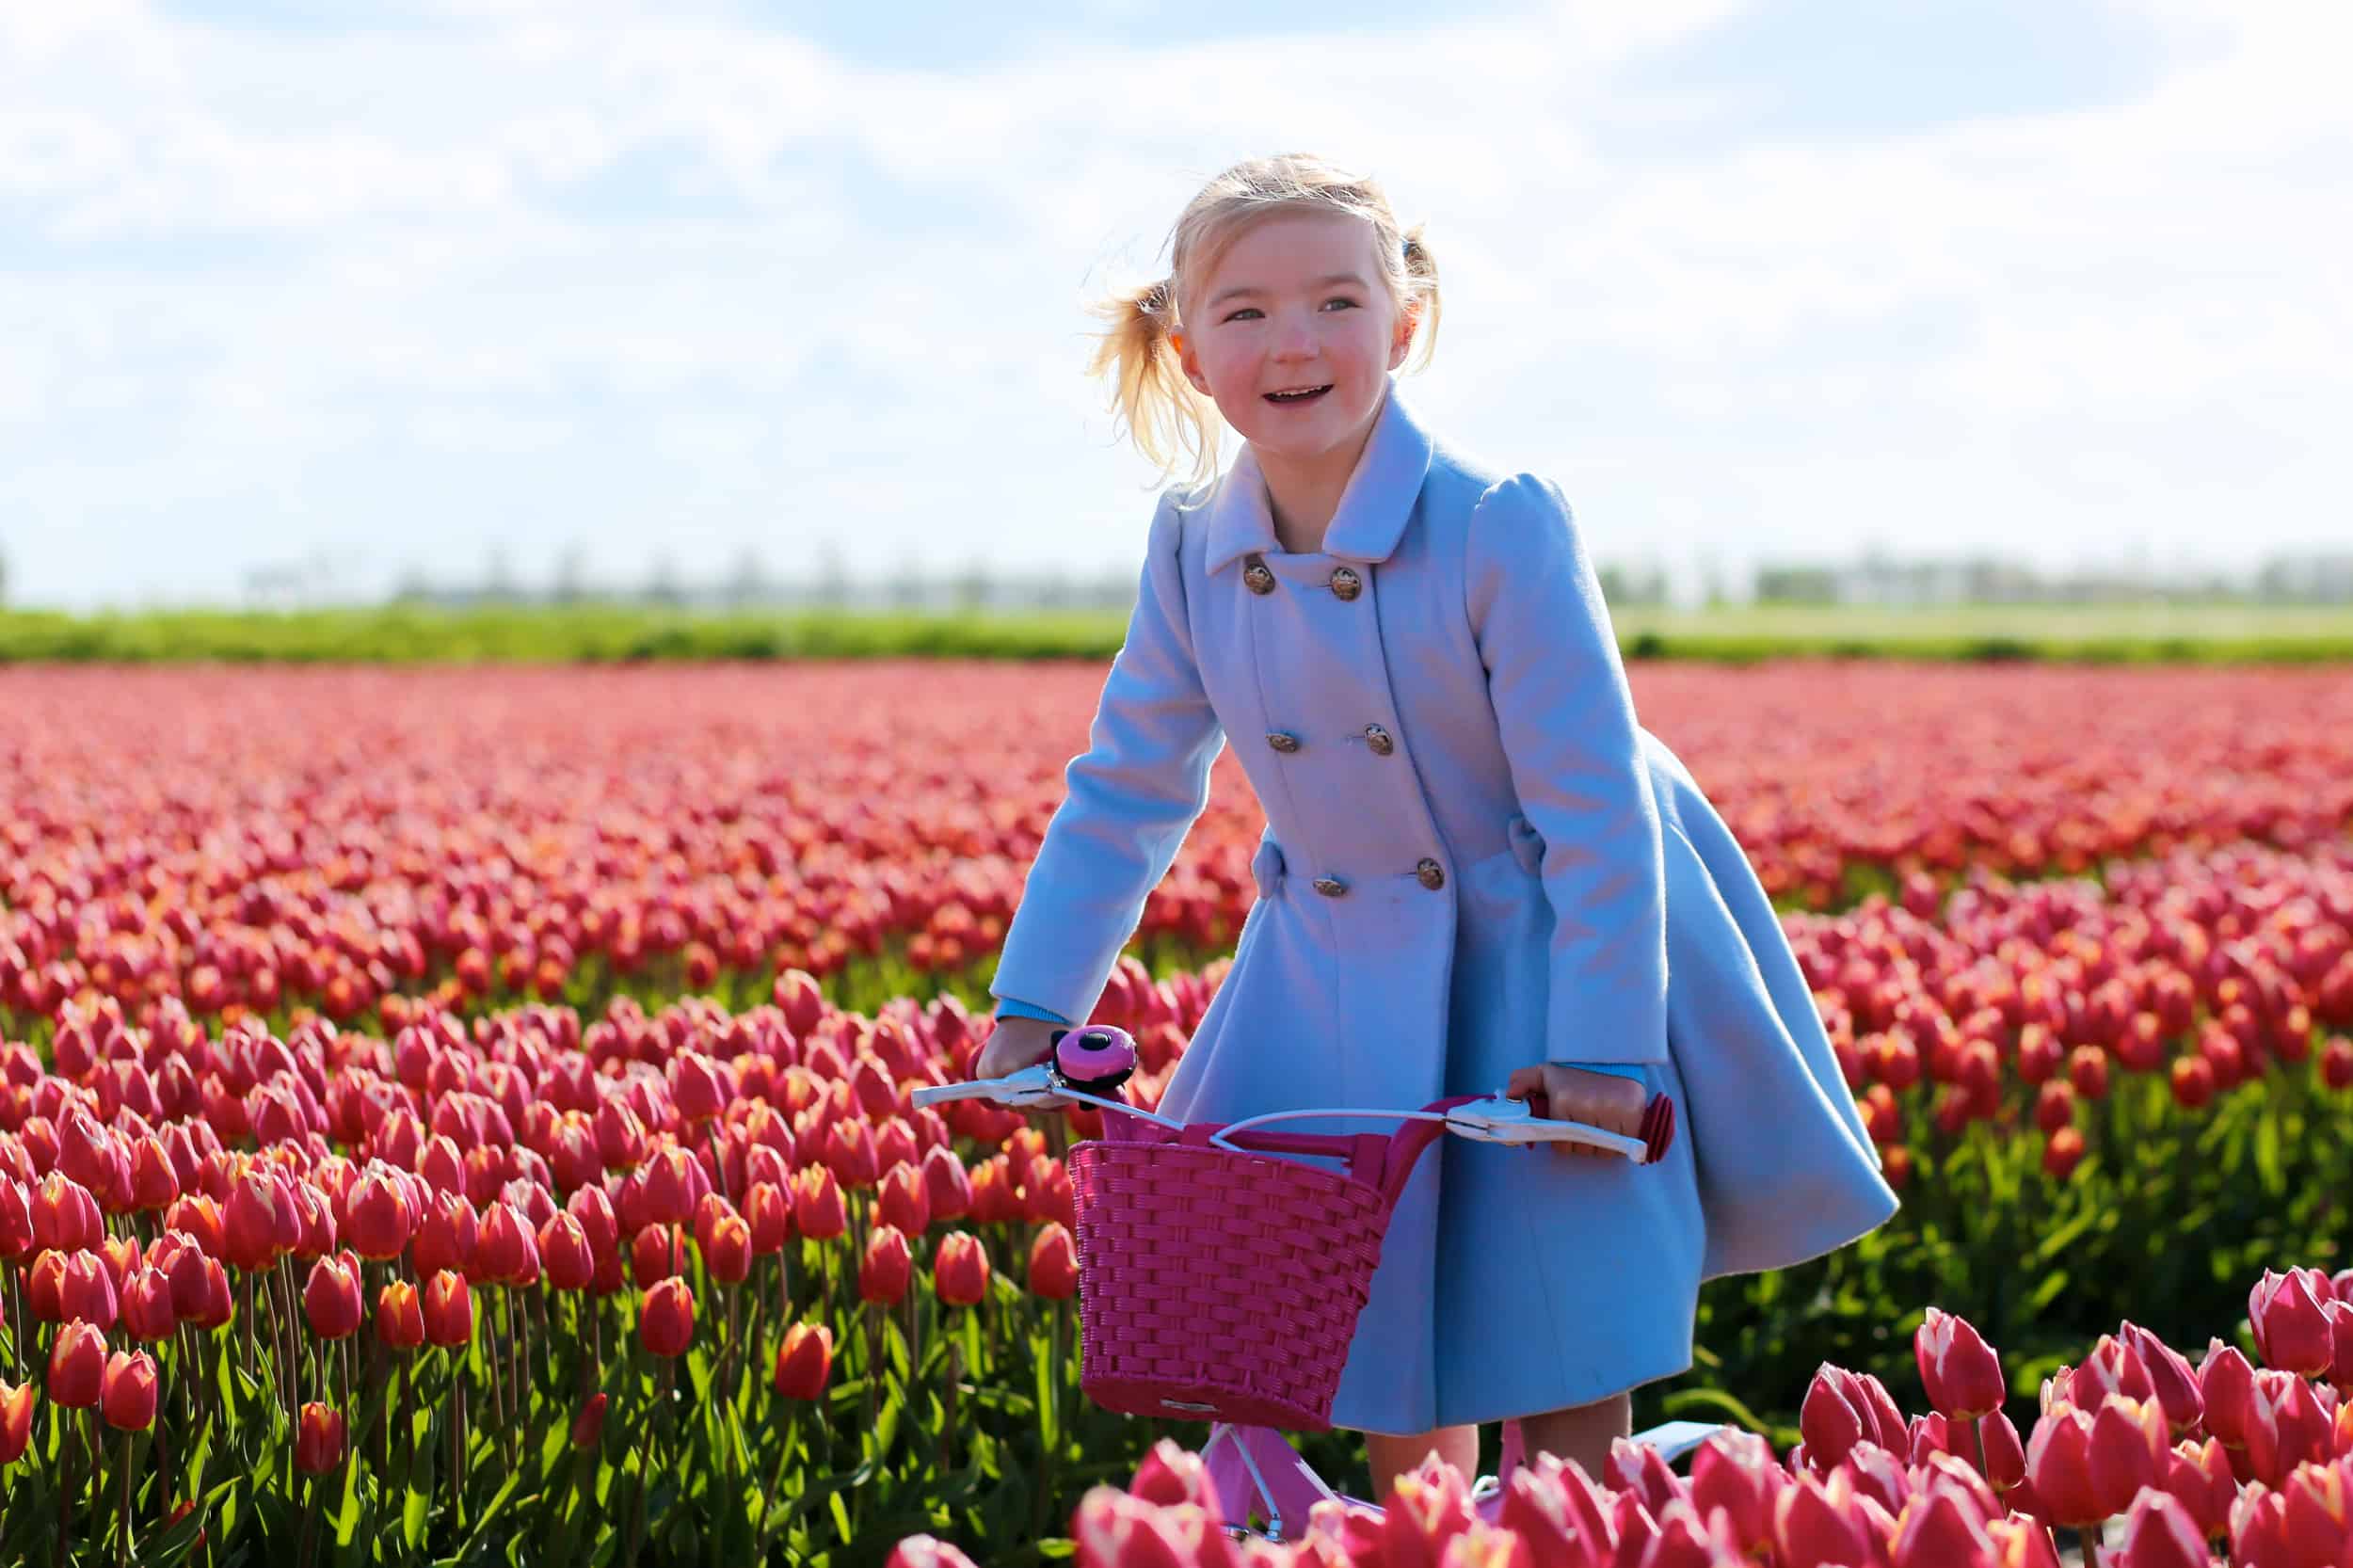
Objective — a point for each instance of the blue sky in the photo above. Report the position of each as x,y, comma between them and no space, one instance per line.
393,288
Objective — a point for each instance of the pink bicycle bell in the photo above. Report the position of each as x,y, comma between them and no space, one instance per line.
1095,1060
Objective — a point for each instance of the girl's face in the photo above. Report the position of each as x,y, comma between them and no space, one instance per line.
1294,335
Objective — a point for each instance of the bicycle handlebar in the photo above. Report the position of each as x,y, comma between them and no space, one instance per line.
1106,1058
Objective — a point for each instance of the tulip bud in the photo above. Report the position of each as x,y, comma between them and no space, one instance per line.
924,1551
882,1272
2005,1456
817,1204
2169,1374
377,1221
1942,1529
16,1420
728,1253
77,1366
769,1213
666,1319
1963,1375
86,1291
1736,1472
804,1361
1814,1523
250,1233
147,1310
2227,1385
589,1426
903,1201
1054,1264
946,1186
330,1298
2291,1332
1832,1419
2199,1477
960,1269
399,1315
564,1253
127,1391
447,1307
319,1440
2159,1533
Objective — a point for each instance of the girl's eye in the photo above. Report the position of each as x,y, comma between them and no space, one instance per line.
1338,299
1245,310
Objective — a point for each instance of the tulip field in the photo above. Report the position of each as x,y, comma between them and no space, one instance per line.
464,1116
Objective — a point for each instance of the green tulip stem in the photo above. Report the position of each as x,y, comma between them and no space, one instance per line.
65,1492
123,1547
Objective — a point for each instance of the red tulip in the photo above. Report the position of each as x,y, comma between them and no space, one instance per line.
447,1236
250,1233
154,1185
2291,1332
1736,1472
319,1440
589,1426
881,1273
946,1186
2227,1385
2286,1426
147,1310
86,1291
2063,1152
902,1202
2058,1468
217,1308
2112,1367
77,1366
1814,1523
1942,1529
447,1307
655,1254
2169,1374
1833,1417
666,1319
1961,1373
2005,1456
505,1251
960,1270
199,1217
924,1551
65,1216
2200,1477
564,1253
804,1361
727,1255
16,1420
1054,1264
673,1184
127,1391
2159,1533
377,1221
817,1204
400,1316
330,1298
769,1213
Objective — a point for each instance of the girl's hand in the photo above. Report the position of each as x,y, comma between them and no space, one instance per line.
1570,1093
1016,1043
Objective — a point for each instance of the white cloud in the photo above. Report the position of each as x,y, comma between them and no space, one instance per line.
649,282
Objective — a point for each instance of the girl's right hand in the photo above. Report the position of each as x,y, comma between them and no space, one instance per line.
1016,1043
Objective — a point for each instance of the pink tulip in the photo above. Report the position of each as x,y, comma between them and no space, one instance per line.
2291,1332
2159,1533
1963,1375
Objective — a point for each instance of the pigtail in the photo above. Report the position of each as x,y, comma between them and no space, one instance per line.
1421,282
1171,424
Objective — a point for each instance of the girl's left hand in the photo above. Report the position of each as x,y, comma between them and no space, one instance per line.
1570,1093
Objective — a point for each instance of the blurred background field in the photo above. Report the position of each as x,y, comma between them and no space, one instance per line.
2107,633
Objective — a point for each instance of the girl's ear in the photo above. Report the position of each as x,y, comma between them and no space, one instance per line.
1402,343
1188,363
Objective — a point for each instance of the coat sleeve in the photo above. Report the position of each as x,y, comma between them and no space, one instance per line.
1566,720
1132,797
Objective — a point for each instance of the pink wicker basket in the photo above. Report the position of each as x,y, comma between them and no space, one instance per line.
1224,1286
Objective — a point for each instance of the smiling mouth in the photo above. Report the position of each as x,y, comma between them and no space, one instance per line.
1300,394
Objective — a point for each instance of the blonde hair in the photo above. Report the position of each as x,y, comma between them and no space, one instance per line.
1172,424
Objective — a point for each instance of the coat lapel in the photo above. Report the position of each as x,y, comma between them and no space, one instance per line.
1373,511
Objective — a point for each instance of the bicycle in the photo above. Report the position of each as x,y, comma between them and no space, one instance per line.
1164,1248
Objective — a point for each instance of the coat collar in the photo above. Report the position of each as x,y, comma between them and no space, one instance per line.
1373,508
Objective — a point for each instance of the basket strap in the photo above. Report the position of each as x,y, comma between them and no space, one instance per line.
1407,1146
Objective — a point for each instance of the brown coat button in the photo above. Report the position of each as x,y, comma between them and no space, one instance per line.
1283,740
1346,585
1433,874
1256,575
1379,740
1329,886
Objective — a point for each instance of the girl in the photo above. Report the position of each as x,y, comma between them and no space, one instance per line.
1478,870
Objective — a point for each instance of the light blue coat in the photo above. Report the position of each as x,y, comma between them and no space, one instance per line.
1475,859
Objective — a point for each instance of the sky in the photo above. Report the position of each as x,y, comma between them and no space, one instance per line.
411,289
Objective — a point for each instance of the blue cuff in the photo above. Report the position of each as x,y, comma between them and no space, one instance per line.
1615,1069
1009,1007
